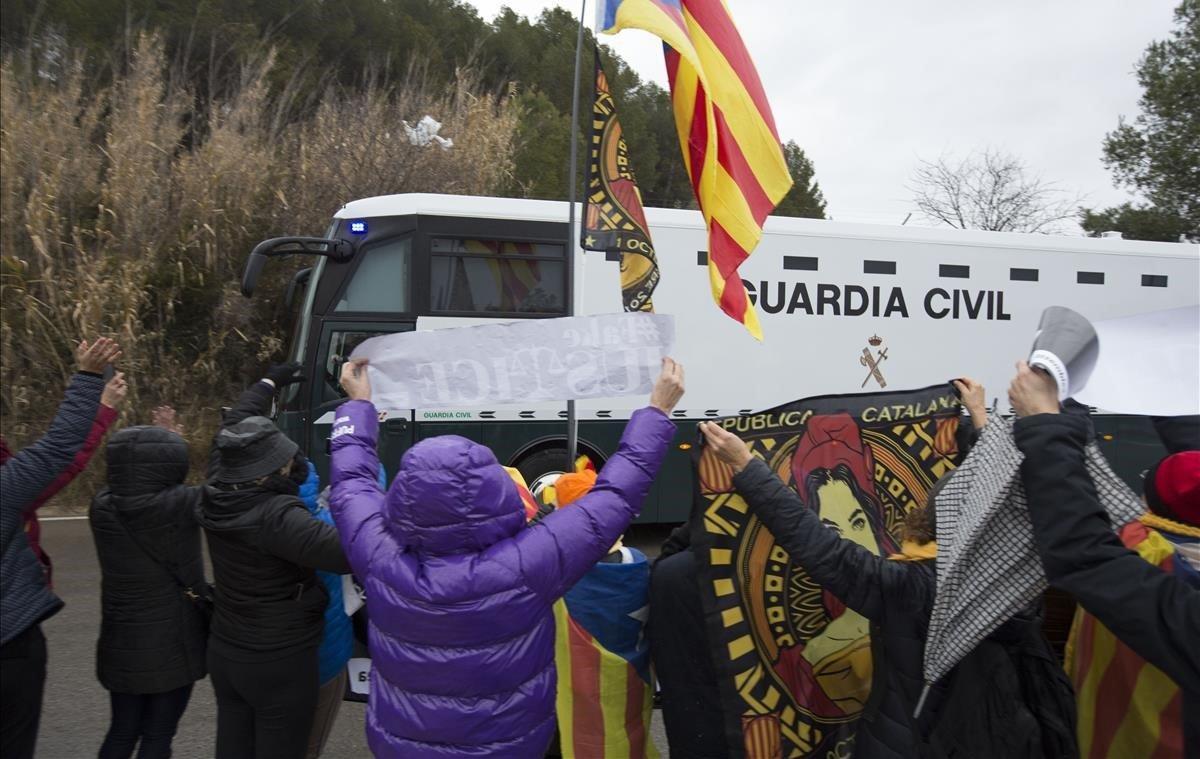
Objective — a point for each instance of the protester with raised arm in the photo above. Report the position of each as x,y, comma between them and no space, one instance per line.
25,597
691,701
459,591
262,653
154,600
974,401
106,413
1150,605
896,594
255,400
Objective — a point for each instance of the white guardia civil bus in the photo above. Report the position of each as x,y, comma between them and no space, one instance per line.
844,308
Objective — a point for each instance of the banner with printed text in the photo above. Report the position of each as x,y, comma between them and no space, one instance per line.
794,662
527,361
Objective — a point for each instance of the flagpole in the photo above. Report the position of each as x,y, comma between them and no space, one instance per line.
572,181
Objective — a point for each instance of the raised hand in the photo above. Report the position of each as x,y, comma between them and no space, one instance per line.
973,400
729,448
1032,391
164,416
115,391
285,374
354,380
93,357
668,388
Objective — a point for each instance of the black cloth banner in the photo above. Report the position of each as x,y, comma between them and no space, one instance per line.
793,663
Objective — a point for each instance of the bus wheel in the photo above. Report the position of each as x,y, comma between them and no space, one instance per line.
542,468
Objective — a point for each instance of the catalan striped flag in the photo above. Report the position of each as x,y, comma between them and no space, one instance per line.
529,503
604,687
730,145
1127,706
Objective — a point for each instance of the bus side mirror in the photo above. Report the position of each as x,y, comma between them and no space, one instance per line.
299,280
338,250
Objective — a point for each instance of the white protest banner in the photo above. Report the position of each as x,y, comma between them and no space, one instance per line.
604,356
1149,364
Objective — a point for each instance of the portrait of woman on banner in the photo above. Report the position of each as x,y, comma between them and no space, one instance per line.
831,468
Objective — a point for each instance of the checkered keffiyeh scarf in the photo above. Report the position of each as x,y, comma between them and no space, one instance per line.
987,565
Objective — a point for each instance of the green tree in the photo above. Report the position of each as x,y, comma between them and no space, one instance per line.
538,56
1158,153
540,165
805,198
355,45
1134,222
340,41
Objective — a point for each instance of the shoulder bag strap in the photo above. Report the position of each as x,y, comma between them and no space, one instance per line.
187,589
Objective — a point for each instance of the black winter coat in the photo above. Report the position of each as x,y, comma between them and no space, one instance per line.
265,547
152,637
1154,613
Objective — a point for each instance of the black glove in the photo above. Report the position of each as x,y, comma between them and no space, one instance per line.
285,374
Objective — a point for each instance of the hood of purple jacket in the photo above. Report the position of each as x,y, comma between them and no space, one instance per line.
451,496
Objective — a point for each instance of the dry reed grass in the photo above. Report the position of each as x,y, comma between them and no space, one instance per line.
118,218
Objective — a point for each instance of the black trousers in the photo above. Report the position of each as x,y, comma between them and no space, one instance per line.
691,701
264,708
151,718
22,683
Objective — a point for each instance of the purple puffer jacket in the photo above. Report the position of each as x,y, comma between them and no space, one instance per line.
459,591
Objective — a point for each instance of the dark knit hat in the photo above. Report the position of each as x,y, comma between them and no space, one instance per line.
252,448
1172,487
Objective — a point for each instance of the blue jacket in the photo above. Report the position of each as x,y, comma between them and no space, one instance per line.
25,599
337,641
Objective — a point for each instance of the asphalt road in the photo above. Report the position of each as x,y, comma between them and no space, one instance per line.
76,710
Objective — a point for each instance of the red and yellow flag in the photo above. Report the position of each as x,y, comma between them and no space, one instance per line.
605,692
1127,706
730,145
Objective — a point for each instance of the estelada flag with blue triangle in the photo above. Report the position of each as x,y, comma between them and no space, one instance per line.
605,691
726,131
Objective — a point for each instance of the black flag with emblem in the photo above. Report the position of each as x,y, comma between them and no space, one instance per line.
614,220
794,663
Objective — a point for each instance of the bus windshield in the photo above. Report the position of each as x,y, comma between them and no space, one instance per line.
380,283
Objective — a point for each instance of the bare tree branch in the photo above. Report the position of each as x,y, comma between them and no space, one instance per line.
989,190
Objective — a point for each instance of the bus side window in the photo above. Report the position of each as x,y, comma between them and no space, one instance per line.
494,276
380,282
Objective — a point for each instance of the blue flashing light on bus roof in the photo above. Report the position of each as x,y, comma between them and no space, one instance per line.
358,227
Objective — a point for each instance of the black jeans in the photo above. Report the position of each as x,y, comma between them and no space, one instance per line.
22,682
151,717
265,709
691,699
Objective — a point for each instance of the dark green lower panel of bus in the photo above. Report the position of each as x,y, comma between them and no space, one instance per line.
1129,443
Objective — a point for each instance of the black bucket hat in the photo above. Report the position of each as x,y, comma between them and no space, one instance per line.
252,448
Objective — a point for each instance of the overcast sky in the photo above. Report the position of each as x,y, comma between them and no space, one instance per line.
868,87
